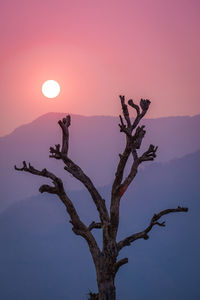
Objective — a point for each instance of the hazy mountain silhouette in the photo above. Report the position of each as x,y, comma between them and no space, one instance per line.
40,256
95,143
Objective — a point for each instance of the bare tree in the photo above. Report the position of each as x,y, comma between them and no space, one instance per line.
105,257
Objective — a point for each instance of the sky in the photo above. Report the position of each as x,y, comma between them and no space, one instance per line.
97,50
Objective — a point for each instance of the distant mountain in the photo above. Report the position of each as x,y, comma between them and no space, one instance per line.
95,143
41,258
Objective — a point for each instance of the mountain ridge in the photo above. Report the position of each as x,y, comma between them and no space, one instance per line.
60,114
95,143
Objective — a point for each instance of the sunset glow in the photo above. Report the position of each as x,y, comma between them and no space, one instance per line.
97,50
50,89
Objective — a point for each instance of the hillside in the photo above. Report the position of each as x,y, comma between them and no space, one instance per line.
40,255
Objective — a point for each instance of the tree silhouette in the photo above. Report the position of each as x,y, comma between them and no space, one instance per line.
105,257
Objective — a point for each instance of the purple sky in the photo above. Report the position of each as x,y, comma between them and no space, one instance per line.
97,50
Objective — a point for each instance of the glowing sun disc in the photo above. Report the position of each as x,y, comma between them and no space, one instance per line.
50,89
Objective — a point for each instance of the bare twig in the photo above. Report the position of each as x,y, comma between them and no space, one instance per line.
58,185
149,155
94,225
135,106
125,111
144,104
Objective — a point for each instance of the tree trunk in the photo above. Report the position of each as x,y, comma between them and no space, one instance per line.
105,278
107,289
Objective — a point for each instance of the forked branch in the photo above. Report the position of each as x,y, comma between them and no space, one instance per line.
144,105
58,185
140,113
149,155
133,143
154,221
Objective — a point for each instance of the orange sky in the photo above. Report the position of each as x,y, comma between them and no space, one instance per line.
97,50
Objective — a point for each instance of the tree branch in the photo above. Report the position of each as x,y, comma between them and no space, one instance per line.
154,221
133,142
137,138
58,185
76,171
125,111
94,225
64,124
135,106
123,127
130,177
149,155
79,227
144,104
120,263
55,152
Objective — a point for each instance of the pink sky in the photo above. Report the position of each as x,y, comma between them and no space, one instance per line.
97,50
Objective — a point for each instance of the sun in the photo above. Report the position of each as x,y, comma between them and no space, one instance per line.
51,89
